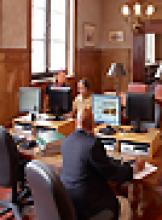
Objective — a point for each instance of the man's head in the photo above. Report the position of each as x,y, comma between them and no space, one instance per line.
85,119
61,78
83,87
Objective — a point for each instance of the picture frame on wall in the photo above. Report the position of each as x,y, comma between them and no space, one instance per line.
89,35
116,36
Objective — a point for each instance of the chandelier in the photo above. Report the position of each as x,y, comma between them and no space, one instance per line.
136,12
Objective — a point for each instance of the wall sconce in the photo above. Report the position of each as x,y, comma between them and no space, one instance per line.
136,12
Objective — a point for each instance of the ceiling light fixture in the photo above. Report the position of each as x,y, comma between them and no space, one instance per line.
136,12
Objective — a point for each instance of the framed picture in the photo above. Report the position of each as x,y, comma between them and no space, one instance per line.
116,36
89,35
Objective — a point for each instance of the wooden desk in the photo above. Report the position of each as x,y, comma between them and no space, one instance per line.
64,127
147,193
152,137
50,156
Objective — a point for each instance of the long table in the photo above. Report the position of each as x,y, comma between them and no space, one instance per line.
64,127
146,195
146,199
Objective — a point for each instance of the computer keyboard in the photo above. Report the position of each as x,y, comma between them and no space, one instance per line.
27,145
107,131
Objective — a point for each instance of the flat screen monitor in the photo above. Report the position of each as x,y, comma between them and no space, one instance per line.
60,100
107,109
140,107
29,99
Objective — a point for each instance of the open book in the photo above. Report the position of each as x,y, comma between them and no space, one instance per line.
149,168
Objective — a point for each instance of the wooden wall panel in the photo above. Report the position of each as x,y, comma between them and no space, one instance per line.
153,26
93,64
71,81
115,55
158,47
14,72
139,57
89,66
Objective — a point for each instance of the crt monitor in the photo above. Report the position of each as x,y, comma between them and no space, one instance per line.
29,99
60,100
140,107
107,109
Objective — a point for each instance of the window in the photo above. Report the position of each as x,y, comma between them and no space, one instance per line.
39,36
149,48
57,34
52,35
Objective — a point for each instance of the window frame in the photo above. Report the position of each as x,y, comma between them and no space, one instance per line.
48,72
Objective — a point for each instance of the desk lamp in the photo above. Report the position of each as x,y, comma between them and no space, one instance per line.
117,70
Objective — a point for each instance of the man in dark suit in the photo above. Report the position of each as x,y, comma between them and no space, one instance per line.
87,169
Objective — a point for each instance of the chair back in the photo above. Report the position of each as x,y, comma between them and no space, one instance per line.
51,201
137,87
8,159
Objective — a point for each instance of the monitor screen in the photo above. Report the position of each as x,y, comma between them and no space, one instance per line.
107,109
60,100
140,106
29,99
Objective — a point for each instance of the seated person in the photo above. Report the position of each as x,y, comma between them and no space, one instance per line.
83,99
59,80
87,170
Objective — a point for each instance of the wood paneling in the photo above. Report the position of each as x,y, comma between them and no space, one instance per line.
15,68
93,64
153,26
139,57
71,81
89,66
158,47
115,55
14,72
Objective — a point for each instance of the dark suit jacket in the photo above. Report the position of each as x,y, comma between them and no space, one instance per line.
86,170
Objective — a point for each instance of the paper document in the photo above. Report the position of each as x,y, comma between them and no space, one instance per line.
149,168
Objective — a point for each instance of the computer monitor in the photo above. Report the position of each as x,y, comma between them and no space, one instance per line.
60,101
107,109
29,99
140,107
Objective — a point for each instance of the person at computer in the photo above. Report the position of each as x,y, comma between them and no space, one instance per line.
87,170
59,80
83,99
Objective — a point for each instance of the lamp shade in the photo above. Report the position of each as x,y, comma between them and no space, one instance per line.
116,69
